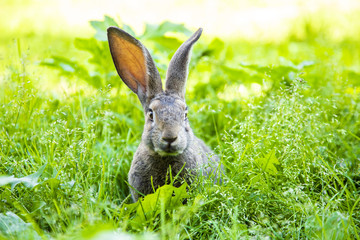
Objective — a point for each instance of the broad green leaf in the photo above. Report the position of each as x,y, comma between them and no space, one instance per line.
267,164
29,181
166,43
66,66
299,67
149,207
304,64
216,47
256,179
240,75
128,29
103,231
335,225
71,68
13,227
154,31
101,27
85,44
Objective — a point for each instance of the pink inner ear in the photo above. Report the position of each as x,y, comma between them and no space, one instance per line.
129,61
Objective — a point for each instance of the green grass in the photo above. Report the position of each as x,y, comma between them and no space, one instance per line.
291,150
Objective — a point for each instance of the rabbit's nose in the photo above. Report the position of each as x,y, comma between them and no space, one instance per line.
169,139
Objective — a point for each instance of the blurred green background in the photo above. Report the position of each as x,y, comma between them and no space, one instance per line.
46,28
274,89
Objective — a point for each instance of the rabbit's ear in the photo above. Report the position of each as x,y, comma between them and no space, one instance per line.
177,72
134,64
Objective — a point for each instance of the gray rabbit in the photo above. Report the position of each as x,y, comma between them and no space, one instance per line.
167,140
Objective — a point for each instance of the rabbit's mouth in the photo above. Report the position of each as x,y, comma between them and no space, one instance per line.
168,150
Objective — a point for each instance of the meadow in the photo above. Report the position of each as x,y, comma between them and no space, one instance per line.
283,116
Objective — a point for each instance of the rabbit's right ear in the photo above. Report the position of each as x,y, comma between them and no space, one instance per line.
134,65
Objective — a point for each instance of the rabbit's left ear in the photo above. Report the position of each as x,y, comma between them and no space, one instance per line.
134,65
177,72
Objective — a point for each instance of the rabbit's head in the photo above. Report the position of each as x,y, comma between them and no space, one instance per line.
167,130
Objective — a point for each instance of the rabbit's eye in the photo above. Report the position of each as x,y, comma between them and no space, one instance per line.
151,114
186,114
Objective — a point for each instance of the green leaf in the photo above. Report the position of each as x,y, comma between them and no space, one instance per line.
335,225
164,43
304,64
128,29
299,67
267,164
71,68
101,27
13,227
154,31
29,181
66,66
149,207
85,44
241,75
216,47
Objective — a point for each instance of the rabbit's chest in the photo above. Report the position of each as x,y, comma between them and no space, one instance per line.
159,172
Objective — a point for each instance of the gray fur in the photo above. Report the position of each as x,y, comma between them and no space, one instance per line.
178,67
167,139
